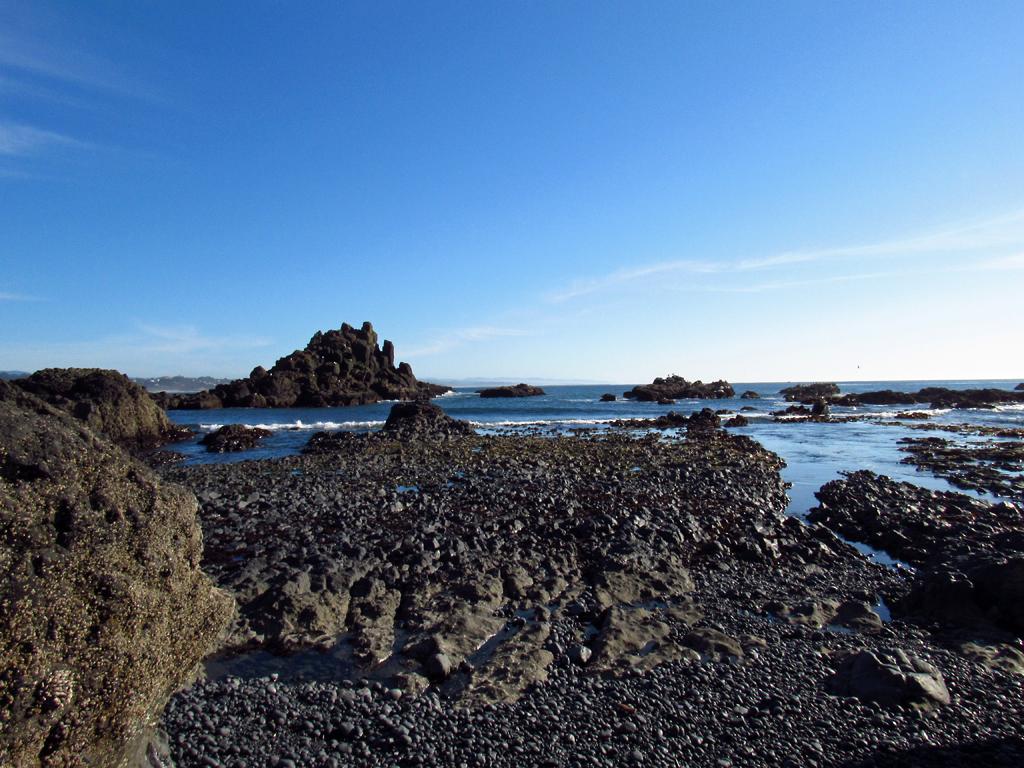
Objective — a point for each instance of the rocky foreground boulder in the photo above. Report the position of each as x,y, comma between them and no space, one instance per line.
109,402
337,367
104,611
678,388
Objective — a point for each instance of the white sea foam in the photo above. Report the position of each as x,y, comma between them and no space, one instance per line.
539,422
302,425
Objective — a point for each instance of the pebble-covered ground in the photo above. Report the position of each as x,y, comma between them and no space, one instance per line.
575,601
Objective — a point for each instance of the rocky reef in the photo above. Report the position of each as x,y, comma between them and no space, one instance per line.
935,397
677,388
104,611
337,367
969,554
109,402
810,392
518,390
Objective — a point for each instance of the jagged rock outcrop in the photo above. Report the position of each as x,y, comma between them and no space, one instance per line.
678,388
337,367
103,608
234,437
109,402
810,392
519,390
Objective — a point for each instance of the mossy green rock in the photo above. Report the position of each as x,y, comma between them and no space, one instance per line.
108,401
104,610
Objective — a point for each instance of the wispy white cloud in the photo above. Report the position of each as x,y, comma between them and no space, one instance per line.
458,337
978,238
185,339
146,350
7,296
17,139
44,46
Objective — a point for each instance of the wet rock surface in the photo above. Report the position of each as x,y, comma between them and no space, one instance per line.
673,388
109,402
602,599
234,437
994,466
337,367
103,608
914,524
517,390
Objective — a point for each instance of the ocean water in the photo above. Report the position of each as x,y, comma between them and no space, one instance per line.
814,453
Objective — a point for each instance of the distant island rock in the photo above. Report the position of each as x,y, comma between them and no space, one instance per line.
607,397
519,390
337,367
1020,386
750,395
108,401
678,388
810,392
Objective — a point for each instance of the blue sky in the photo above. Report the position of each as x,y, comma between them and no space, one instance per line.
574,190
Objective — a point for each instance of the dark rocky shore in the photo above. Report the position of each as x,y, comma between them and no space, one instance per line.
424,595
593,600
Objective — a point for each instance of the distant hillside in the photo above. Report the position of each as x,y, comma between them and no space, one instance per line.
8,375
179,383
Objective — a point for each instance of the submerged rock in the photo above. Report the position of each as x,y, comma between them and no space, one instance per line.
424,419
234,437
607,397
104,610
519,390
108,401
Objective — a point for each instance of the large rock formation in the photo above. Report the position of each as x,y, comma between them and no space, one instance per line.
342,367
678,388
103,608
108,402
